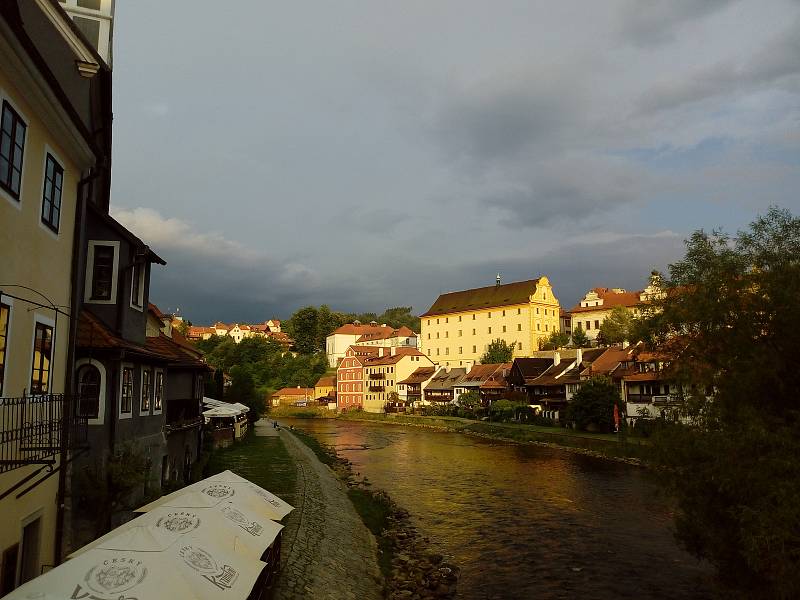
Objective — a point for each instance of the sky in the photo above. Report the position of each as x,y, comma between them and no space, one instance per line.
374,154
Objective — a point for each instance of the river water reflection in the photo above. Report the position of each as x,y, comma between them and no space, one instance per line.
525,521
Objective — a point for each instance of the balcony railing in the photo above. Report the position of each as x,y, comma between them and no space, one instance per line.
31,429
377,388
377,375
183,424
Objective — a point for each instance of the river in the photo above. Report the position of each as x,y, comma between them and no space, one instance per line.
525,521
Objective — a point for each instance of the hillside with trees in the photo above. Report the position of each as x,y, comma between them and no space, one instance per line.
257,367
309,326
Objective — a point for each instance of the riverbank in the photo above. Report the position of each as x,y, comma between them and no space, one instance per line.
327,551
412,570
615,447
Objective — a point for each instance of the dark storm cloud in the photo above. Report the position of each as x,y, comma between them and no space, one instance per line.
620,261
569,190
653,22
495,123
777,61
373,154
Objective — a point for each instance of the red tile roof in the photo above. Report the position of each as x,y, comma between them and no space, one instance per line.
389,359
353,329
610,299
385,333
294,391
421,375
327,381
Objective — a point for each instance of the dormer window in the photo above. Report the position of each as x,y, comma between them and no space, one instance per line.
102,271
137,286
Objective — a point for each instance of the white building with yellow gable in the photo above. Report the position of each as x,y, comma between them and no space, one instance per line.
459,327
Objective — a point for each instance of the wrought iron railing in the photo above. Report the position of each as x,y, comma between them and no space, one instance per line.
377,388
377,375
184,423
32,429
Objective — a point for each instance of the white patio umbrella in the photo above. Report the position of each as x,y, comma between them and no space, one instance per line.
225,486
224,525
146,568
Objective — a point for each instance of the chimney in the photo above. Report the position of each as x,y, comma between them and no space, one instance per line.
393,351
579,357
447,368
625,344
380,352
383,324
497,284
556,357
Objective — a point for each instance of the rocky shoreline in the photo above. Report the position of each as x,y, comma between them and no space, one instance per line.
415,570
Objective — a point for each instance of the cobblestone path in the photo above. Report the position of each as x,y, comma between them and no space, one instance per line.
327,551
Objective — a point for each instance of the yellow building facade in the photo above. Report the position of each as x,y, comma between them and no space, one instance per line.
458,328
43,156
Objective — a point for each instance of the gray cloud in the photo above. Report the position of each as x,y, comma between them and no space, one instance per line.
414,145
777,60
653,22
498,120
569,189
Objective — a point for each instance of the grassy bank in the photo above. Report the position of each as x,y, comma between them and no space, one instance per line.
263,460
607,445
300,412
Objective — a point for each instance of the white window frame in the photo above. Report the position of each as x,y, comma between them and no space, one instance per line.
11,200
128,415
101,407
87,292
142,270
155,389
60,162
43,320
142,369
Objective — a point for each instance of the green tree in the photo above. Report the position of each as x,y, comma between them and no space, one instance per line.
499,351
579,337
243,390
729,315
556,340
617,327
303,328
400,316
469,400
592,405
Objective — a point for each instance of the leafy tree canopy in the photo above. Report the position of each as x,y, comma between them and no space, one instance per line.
310,326
617,327
556,340
579,337
499,351
729,315
593,404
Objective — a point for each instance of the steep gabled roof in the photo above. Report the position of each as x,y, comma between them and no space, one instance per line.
506,294
531,368
421,375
